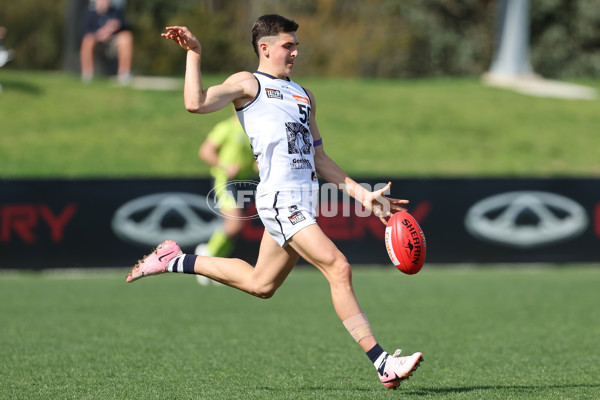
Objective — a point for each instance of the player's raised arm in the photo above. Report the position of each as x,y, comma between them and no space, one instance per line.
197,99
182,36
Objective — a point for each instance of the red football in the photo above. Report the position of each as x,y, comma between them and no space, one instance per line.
405,243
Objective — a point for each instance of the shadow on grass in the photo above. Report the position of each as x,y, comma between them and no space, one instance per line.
318,389
20,86
524,388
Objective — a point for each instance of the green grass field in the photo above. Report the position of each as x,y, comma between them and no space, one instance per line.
486,333
54,126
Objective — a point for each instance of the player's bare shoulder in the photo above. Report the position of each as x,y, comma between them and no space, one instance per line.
247,81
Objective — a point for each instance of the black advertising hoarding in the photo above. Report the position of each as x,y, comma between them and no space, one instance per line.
108,223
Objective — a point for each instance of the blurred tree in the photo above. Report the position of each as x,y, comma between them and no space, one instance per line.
565,38
378,38
35,32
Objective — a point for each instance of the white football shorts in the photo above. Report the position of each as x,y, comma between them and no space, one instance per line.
286,212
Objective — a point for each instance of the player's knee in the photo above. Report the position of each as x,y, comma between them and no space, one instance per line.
340,271
264,291
344,271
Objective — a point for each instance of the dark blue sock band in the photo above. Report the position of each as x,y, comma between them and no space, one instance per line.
374,353
188,263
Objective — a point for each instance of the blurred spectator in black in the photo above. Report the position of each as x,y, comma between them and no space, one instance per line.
5,55
106,25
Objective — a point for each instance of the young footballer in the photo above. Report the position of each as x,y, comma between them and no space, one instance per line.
278,115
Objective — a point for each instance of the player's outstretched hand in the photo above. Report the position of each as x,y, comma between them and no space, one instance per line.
182,36
382,206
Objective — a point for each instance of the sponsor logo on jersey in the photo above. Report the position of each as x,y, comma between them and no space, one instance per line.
301,163
301,99
296,217
274,94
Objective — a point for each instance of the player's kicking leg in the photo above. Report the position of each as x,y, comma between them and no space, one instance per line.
272,267
316,248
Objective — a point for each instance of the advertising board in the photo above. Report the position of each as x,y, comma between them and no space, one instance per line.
112,223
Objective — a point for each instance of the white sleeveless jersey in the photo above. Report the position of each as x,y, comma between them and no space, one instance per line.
277,124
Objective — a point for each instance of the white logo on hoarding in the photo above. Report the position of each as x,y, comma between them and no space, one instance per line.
526,219
237,194
149,220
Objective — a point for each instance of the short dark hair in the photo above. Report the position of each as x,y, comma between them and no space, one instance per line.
271,25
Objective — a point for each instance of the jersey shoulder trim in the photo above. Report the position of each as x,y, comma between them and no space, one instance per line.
254,99
271,76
